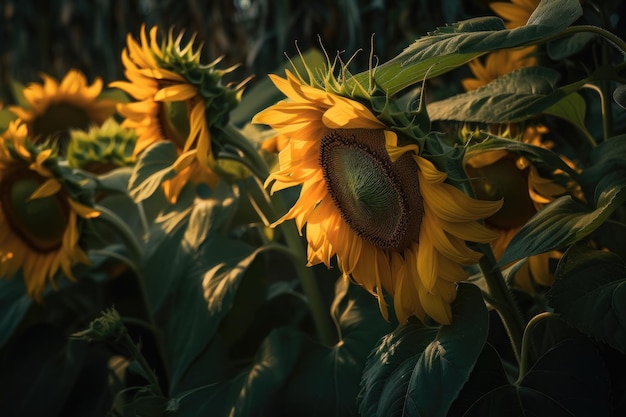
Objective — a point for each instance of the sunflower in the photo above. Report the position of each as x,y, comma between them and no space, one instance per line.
384,211
55,108
39,228
516,12
174,94
514,179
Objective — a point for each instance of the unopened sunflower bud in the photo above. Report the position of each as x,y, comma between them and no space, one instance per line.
108,327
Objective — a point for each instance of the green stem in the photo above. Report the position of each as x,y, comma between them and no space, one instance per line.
134,246
607,115
524,363
614,40
319,311
503,300
137,355
124,232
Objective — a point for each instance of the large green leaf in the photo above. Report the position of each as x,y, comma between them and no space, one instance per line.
254,391
504,99
609,156
192,276
514,97
454,45
419,370
326,378
565,221
152,168
14,303
569,380
39,371
589,292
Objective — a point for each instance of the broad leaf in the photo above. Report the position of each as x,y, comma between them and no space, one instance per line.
14,303
39,370
152,168
589,293
256,390
560,384
565,221
326,378
514,97
454,45
419,370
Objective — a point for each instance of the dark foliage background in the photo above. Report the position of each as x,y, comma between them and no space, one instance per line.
53,36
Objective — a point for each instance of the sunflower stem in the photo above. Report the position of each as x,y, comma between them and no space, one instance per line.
134,246
319,312
503,300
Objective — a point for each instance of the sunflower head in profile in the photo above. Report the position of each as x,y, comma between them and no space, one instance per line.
39,219
54,108
101,148
517,182
179,100
370,200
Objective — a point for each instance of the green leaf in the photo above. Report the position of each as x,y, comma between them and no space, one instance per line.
116,180
6,116
559,49
272,365
326,378
454,45
543,159
514,97
589,293
255,391
419,370
208,216
502,100
14,303
192,276
569,380
565,221
152,168
39,372
608,157
572,108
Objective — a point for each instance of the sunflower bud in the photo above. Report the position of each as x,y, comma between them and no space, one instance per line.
108,327
102,148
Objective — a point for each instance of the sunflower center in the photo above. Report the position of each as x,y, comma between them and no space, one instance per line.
503,180
174,120
56,122
40,222
377,198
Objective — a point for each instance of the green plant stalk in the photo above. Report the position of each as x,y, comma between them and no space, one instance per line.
503,300
137,355
524,363
129,238
319,312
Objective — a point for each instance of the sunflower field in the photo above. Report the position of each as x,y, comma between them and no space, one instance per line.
313,208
